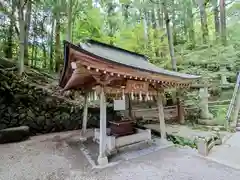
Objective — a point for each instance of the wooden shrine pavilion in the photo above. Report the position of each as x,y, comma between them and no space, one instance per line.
112,70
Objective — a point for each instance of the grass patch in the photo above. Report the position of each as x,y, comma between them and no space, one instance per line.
182,141
219,113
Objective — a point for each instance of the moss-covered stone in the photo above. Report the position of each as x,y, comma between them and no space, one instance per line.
26,104
14,134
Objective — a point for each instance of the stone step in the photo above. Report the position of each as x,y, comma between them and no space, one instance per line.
237,128
238,124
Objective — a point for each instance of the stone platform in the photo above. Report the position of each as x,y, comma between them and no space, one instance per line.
115,143
91,149
186,131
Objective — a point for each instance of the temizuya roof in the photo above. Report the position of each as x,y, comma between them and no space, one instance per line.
119,58
128,58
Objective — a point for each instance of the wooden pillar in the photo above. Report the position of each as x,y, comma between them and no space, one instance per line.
85,114
102,158
181,112
180,108
129,105
161,115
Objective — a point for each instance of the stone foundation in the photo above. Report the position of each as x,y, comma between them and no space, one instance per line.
114,143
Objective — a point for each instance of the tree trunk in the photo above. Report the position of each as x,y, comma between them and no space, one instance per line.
8,49
72,34
155,33
35,56
174,33
22,36
154,23
33,49
9,44
150,33
69,29
27,25
170,38
191,32
148,18
57,45
203,16
145,27
51,47
223,22
171,47
44,56
185,24
160,16
125,12
111,25
44,65
216,18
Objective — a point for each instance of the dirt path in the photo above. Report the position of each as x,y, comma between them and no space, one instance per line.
53,157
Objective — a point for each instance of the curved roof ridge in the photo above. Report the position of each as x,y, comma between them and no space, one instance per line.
92,41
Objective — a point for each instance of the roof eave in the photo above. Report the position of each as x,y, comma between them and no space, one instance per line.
193,77
68,45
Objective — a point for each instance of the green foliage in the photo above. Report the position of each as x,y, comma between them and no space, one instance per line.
88,26
207,62
219,113
182,141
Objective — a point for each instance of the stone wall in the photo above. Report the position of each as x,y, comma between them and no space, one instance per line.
22,103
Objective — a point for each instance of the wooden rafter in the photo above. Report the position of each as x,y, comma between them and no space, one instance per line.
89,71
104,79
98,65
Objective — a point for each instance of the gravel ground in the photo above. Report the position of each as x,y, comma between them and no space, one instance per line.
52,159
168,164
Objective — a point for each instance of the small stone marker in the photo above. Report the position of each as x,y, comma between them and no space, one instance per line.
205,144
202,146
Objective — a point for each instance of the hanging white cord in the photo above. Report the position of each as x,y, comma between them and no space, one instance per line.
132,96
123,95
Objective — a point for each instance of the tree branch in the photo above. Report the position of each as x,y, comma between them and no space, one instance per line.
16,29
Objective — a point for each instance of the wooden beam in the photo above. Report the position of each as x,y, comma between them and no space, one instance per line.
105,79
